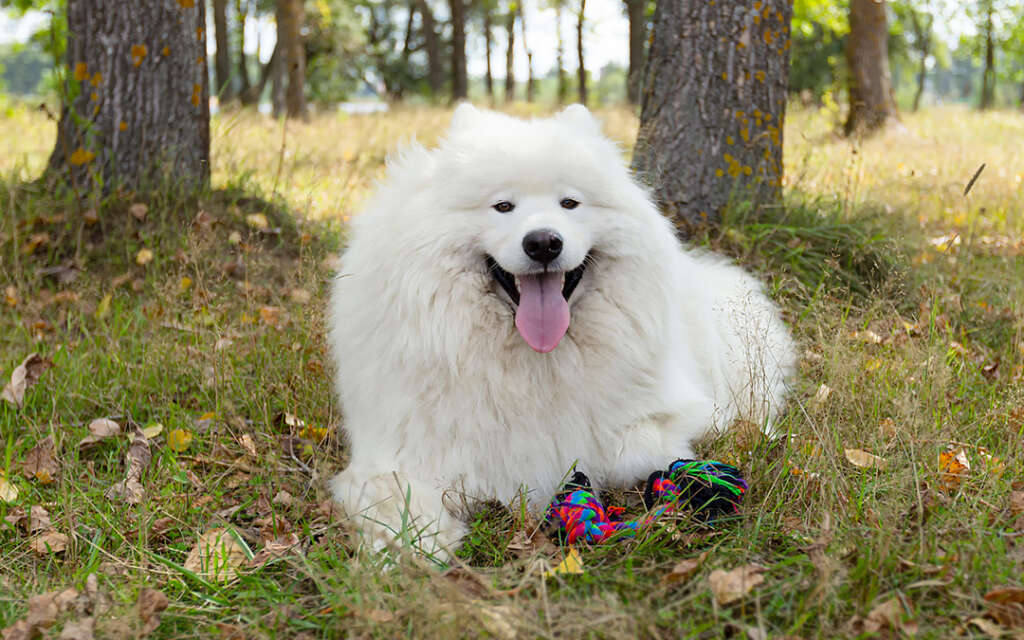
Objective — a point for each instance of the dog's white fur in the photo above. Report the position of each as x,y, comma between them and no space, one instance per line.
443,399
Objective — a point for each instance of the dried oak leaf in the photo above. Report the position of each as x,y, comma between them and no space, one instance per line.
38,519
81,629
730,586
138,457
1006,605
23,377
41,462
275,548
42,613
886,618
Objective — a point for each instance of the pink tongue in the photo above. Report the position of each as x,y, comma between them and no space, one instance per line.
543,314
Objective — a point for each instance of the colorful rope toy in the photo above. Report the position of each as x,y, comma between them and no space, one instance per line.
710,488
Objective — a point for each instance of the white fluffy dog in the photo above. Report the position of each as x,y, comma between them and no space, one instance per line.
510,304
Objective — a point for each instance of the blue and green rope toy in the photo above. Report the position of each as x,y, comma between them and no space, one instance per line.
708,487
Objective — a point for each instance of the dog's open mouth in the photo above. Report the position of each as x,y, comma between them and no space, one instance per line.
542,302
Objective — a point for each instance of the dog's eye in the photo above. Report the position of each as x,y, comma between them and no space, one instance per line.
504,206
569,203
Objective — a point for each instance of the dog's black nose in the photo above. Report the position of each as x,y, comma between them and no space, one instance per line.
543,245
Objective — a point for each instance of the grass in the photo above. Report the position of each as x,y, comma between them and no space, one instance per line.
904,294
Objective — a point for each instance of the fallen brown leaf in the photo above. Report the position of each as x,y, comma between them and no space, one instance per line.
41,462
51,541
953,468
100,429
138,458
885,616
988,627
684,569
151,602
525,544
38,519
138,210
1006,605
865,460
42,613
468,582
216,556
1017,502
82,629
730,586
23,377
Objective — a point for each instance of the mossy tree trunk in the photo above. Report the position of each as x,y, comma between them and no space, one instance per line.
713,106
872,104
136,106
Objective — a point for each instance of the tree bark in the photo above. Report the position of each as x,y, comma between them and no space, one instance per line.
636,10
242,13
510,53
922,27
563,81
290,17
460,83
136,107
489,46
278,81
713,107
988,78
435,67
872,105
582,72
222,61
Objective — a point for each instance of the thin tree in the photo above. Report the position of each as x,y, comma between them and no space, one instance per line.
581,85
460,84
988,77
713,107
530,84
636,10
921,24
222,59
510,35
487,11
563,81
242,14
872,105
290,16
136,96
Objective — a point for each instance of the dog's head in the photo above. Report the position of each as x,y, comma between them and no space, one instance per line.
530,205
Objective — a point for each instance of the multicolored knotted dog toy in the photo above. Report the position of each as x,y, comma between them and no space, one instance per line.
708,487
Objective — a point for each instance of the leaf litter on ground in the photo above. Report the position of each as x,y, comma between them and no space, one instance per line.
137,458
24,376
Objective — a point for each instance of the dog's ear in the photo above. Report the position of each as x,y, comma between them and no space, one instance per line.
580,117
465,114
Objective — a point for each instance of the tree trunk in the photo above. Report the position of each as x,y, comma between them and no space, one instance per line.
988,78
872,105
254,93
459,81
563,82
488,45
713,107
530,85
582,72
435,68
290,17
510,75
242,13
137,82
636,9
222,61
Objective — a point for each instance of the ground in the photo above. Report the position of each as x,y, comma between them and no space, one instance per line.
195,324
